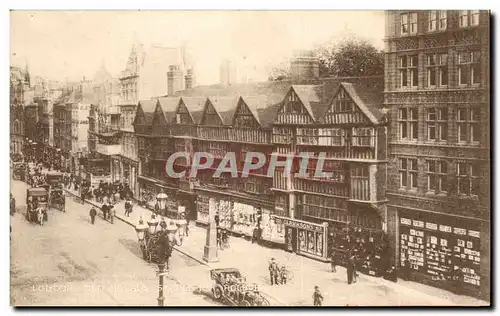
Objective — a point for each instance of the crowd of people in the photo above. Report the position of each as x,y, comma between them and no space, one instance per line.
360,250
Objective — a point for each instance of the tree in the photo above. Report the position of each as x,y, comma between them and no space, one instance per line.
279,74
350,57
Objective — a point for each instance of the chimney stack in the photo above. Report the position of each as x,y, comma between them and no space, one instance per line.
174,79
190,79
304,65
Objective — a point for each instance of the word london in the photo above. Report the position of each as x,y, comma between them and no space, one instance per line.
252,161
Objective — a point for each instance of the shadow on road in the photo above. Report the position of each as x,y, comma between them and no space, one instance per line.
132,246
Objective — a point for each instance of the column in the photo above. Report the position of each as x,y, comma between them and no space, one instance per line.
291,205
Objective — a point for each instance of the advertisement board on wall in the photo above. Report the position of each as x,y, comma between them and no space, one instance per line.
437,249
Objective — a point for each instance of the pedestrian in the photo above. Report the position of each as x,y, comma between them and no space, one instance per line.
354,273
333,261
82,195
283,274
111,213
350,268
117,197
105,209
317,297
256,234
93,213
273,272
105,199
217,219
126,207
406,269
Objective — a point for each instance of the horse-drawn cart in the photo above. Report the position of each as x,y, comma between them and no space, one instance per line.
36,202
19,172
57,198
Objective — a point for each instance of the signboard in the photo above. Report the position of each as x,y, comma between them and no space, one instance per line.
299,224
437,249
303,237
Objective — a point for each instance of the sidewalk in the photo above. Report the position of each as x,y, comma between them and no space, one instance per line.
252,260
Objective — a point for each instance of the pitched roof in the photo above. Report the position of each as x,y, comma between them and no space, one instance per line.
225,107
169,106
369,99
148,106
369,89
308,95
195,106
267,115
316,94
254,103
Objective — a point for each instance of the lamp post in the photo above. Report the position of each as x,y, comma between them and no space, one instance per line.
165,245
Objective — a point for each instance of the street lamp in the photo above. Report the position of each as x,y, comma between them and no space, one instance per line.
152,224
140,230
162,200
171,230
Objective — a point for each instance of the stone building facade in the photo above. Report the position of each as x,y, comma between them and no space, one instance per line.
437,93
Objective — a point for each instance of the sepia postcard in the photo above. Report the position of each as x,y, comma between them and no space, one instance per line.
250,158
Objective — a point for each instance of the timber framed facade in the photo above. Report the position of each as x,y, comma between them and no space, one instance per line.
339,116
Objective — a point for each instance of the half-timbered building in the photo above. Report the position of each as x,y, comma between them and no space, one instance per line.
342,121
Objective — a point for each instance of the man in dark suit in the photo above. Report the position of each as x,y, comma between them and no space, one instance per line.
93,213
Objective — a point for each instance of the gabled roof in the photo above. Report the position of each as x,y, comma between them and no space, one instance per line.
148,106
195,106
368,99
256,104
308,95
169,107
225,108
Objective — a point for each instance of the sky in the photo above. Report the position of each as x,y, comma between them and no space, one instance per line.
68,45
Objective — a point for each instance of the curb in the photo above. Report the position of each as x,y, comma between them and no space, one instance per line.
131,224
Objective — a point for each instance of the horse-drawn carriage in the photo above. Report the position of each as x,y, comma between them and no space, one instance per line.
19,172
36,202
56,193
230,287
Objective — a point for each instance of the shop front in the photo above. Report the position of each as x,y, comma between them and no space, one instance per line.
304,238
148,191
237,213
130,172
444,251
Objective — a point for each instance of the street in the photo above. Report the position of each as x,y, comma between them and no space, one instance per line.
69,262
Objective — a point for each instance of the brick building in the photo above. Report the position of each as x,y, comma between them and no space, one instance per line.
437,91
